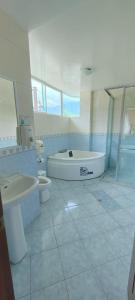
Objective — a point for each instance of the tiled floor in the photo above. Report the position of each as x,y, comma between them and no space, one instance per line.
80,246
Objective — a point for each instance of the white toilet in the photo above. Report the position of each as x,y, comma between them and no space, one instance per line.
44,187
44,182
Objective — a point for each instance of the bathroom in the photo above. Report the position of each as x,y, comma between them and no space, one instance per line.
68,238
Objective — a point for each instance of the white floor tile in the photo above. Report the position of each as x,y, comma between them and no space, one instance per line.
46,269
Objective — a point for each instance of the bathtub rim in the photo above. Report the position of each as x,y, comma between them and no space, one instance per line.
72,159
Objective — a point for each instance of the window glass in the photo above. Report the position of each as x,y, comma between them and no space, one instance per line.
38,95
71,106
53,98
47,99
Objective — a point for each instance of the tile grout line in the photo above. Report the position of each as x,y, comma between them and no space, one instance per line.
73,221
62,268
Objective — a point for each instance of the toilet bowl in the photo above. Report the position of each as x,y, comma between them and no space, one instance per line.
44,188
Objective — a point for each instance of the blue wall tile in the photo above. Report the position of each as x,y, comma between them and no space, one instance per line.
128,140
98,142
53,144
79,141
24,162
114,150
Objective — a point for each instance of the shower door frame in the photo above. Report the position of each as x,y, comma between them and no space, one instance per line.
109,128
108,91
121,132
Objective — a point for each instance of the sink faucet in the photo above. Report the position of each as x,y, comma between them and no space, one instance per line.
3,181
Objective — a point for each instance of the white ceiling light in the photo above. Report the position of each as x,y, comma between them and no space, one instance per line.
88,70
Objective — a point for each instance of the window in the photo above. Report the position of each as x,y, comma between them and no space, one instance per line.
53,98
38,95
52,101
71,106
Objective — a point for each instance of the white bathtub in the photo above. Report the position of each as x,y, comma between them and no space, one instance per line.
83,165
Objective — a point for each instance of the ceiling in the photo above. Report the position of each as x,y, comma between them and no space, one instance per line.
67,36
33,13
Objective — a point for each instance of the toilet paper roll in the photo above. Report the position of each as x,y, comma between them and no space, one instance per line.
39,146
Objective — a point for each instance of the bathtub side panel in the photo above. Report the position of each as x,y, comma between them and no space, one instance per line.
76,170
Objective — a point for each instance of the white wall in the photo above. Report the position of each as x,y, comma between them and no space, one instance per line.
8,119
46,67
129,102
46,124
100,111
14,62
117,114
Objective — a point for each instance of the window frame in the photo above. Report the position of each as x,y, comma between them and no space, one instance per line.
44,98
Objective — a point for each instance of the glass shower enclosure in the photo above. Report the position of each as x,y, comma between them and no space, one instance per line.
122,141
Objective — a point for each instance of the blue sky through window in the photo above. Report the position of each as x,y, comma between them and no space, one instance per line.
47,99
53,98
71,105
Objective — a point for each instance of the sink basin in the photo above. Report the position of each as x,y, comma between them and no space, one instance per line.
13,189
17,187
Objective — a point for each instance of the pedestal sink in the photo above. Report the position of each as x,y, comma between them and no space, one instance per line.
13,189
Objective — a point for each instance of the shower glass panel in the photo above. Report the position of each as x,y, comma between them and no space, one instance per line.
126,163
115,128
109,132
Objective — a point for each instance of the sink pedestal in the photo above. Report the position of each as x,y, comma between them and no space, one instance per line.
15,233
14,188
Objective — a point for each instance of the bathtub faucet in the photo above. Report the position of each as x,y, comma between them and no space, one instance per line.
70,154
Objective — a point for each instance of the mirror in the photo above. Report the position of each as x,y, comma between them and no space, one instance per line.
8,117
